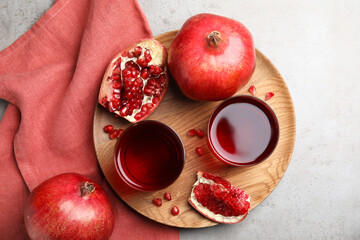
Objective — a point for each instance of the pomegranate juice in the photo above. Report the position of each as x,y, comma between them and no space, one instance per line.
149,156
243,132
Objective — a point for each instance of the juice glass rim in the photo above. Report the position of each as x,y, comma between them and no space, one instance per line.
272,121
116,152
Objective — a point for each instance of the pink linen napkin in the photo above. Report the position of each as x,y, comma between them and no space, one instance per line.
51,77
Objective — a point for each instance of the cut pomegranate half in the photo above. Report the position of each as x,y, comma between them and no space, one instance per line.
135,81
218,200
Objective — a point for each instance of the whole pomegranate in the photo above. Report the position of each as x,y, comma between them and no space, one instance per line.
135,81
69,206
211,57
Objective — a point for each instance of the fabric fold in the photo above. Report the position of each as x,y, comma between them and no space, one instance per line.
52,75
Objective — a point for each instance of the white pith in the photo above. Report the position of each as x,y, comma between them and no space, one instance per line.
206,212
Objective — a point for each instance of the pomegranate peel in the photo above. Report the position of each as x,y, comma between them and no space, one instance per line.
218,200
135,81
211,57
69,206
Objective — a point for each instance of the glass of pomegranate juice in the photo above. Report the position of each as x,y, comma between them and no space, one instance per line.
149,156
243,131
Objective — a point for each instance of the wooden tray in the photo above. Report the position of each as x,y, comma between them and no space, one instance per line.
183,114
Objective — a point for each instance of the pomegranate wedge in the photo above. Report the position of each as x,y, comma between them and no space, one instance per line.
135,81
218,200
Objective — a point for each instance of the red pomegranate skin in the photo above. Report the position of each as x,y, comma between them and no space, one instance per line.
211,70
56,209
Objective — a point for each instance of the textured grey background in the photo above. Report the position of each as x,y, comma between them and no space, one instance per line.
316,47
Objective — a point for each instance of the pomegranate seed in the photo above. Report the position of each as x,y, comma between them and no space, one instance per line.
144,73
199,151
157,70
138,82
252,90
191,133
151,82
269,95
148,58
200,133
131,55
138,116
116,90
156,100
149,92
108,128
152,68
117,62
123,111
113,134
137,51
117,71
128,95
126,72
149,105
147,55
167,196
115,102
134,73
133,89
149,86
243,195
157,202
115,77
142,62
104,100
124,54
162,78
157,85
116,85
143,109
175,210
129,64
110,107
120,132
127,82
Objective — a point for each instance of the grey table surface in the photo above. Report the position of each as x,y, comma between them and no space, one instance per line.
316,47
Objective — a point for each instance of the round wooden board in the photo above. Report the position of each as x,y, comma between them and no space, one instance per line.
183,114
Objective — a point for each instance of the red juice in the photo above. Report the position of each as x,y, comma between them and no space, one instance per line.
243,131
149,156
